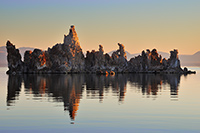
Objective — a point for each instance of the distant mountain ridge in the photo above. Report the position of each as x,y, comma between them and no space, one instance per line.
190,60
186,60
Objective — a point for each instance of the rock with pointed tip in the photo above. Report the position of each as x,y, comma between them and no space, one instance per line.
71,47
61,58
15,64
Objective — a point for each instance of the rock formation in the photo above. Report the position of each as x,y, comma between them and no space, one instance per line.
15,64
174,62
95,60
153,62
148,61
61,58
34,61
68,58
119,56
74,52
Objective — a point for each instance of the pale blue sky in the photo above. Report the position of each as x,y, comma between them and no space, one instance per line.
138,24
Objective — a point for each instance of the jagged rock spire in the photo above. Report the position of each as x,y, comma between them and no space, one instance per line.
70,54
101,51
174,61
72,37
122,50
15,63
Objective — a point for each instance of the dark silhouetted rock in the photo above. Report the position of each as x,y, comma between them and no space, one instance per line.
174,61
68,58
34,61
15,64
152,62
61,58
146,62
119,56
95,60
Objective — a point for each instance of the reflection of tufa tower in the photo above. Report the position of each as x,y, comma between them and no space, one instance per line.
71,94
14,88
68,88
174,83
73,104
62,88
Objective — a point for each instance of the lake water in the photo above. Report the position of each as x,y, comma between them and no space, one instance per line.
90,103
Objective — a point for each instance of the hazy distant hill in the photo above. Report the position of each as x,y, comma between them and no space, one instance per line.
190,60
3,54
186,60
3,60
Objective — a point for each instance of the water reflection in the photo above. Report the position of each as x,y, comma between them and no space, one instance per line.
62,88
14,88
69,88
96,85
150,84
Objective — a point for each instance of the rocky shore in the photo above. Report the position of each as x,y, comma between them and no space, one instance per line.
69,58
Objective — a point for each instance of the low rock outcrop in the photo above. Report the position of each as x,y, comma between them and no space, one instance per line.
68,58
151,61
148,61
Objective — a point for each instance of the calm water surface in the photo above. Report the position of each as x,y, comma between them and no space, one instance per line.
90,103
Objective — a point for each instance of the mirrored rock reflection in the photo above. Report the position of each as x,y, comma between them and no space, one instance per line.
69,88
14,88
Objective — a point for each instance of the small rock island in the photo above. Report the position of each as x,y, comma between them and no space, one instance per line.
69,58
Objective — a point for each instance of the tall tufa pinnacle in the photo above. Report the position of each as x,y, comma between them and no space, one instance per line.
72,31
72,37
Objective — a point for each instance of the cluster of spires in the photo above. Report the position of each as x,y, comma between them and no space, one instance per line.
68,58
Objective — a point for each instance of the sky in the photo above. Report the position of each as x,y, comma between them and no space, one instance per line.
138,24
